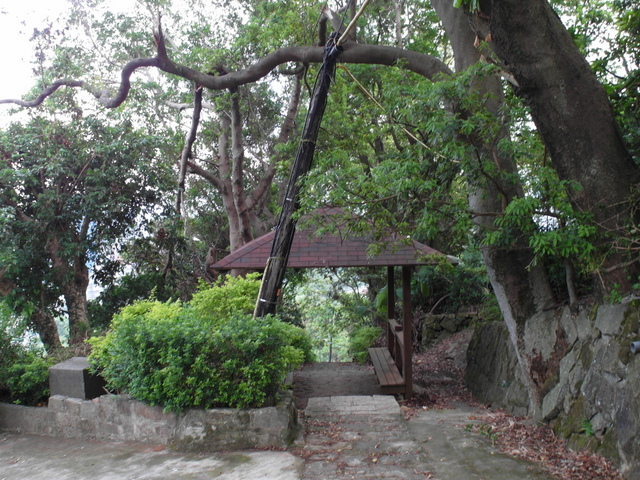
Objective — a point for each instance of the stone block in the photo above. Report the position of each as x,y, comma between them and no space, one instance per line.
12,417
125,405
56,403
493,374
87,428
610,317
153,413
72,378
89,410
110,431
71,406
107,409
66,420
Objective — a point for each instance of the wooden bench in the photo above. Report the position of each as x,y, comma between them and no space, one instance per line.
388,374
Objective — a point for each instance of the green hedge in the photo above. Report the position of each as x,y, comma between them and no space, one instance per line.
182,356
228,297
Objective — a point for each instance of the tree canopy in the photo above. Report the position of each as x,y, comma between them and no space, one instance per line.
72,192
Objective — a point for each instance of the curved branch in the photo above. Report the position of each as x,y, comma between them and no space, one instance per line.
45,93
422,64
208,176
188,146
181,107
103,96
125,82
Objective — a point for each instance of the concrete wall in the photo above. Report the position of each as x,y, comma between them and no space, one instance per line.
120,418
594,399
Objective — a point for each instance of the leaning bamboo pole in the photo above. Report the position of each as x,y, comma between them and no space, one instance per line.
277,262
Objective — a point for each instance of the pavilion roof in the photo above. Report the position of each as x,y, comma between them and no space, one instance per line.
325,251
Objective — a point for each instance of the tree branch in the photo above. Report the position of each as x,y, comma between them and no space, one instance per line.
208,176
188,145
103,96
186,106
84,228
20,214
45,93
424,65
237,175
285,133
421,64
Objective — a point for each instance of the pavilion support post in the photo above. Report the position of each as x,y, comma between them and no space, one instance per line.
407,328
391,310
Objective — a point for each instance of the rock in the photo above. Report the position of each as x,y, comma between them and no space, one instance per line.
493,373
597,382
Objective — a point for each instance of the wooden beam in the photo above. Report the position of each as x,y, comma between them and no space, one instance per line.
407,328
391,308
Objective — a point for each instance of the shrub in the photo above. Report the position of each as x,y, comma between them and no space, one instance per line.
229,296
24,365
181,356
360,340
27,380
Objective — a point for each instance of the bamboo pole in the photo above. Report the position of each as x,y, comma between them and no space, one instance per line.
277,263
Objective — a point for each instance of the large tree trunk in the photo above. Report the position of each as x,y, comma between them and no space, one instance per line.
75,296
570,109
45,326
521,288
259,197
237,175
246,210
74,280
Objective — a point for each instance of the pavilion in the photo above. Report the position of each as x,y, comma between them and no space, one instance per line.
393,363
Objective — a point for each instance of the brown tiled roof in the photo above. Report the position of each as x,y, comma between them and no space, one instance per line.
310,251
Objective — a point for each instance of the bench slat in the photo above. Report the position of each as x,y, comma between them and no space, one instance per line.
388,374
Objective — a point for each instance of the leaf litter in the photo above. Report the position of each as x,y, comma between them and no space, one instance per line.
438,375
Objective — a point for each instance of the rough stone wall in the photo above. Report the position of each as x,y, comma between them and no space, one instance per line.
493,373
594,399
120,418
436,327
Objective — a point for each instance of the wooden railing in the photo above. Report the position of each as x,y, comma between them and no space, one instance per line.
395,342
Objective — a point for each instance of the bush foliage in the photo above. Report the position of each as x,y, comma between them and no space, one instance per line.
206,353
24,365
230,296
360,340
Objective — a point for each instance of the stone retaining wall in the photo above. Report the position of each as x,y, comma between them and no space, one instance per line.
120,418
436,327
594,399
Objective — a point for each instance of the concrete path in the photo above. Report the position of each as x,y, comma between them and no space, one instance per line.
344,437
360,437
29,457
455,453
368,438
